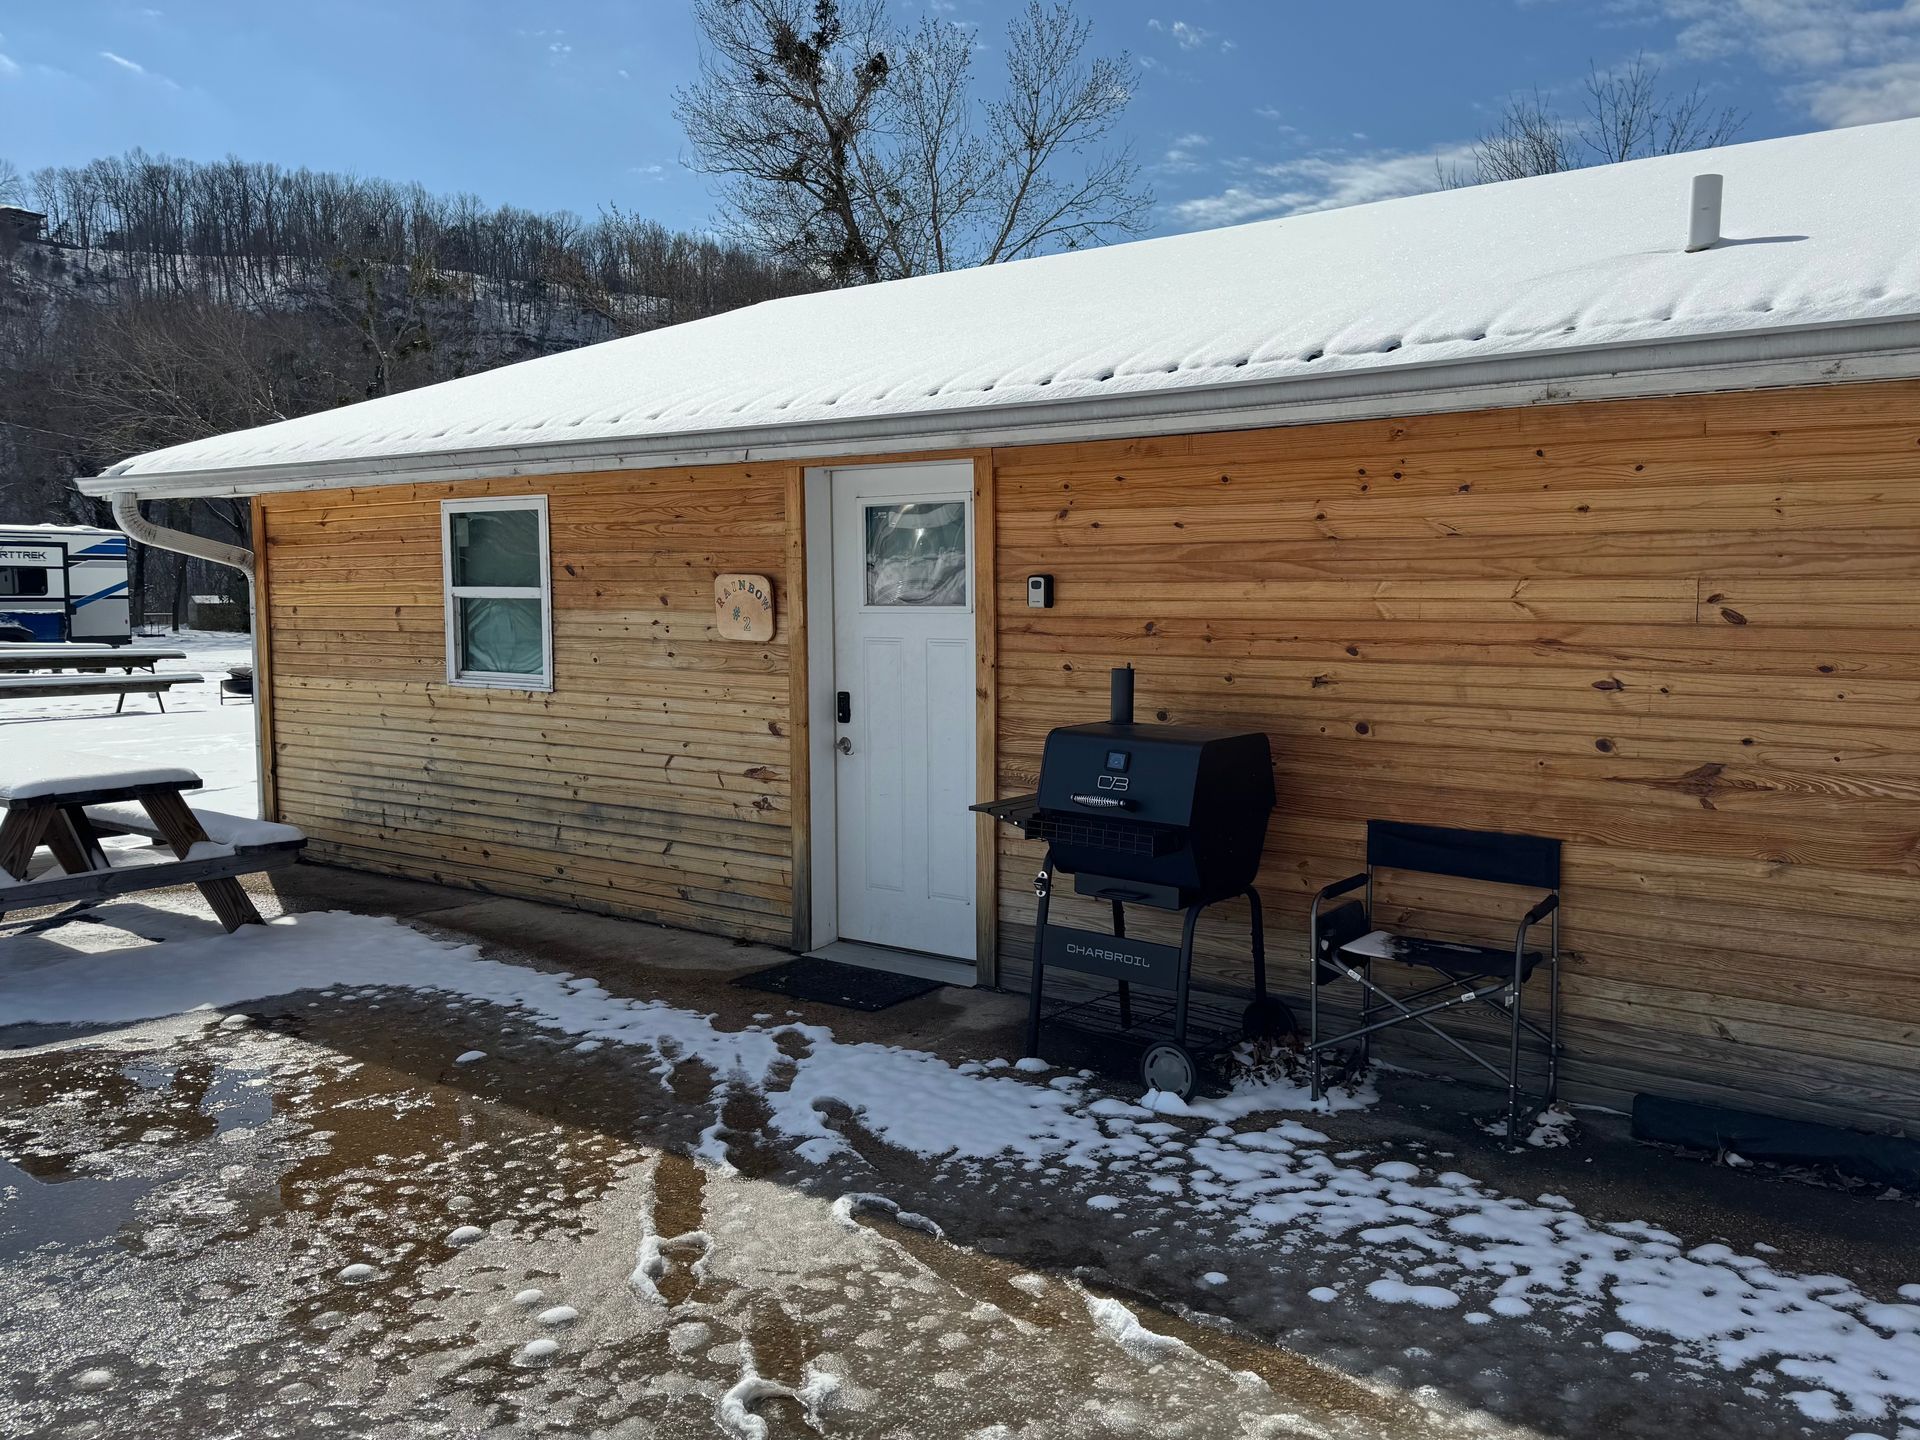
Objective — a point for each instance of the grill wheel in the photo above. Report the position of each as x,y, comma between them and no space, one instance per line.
1169,1067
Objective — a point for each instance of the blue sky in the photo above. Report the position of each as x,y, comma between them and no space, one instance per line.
1241,110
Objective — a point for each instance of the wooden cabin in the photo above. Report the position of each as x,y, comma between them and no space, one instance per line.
1497,507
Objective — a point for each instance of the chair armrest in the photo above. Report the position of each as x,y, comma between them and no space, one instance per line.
1532,918
1341,887
1331,892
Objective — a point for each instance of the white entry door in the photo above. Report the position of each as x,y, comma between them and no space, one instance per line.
904,695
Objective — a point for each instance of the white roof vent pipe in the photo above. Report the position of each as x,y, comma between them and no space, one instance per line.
1703,226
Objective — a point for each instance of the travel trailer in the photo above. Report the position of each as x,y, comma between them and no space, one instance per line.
63,582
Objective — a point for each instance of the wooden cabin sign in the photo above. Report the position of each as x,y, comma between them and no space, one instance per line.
743,607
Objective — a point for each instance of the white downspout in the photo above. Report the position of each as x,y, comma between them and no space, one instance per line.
126,514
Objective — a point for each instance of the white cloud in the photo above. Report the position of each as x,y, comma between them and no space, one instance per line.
9,67
1881,92
1184,152
1187,37
1326,180
1846,62
134,67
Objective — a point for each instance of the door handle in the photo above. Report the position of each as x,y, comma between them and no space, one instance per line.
844,745
843,707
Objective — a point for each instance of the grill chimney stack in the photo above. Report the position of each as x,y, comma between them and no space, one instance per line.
1120,706
1703,230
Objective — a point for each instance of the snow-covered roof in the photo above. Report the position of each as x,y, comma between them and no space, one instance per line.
1389,299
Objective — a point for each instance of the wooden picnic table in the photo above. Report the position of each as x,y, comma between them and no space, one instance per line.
18,686
53,812
85,657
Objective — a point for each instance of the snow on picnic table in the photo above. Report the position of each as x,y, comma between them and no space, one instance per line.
51,737
1405,1234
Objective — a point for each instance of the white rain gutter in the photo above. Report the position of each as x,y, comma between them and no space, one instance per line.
1805,355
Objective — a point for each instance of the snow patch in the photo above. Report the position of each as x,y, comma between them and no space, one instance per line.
734,1413
863,1202
536,1352
1427,1297
1123,1327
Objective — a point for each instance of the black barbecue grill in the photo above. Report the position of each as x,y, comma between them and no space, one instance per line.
1167,816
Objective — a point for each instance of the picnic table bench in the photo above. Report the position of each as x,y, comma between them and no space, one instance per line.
69,815
44,687
83,656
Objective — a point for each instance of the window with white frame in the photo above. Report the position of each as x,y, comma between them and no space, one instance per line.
499,599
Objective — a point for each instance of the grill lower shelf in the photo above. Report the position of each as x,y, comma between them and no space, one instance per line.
1208,1033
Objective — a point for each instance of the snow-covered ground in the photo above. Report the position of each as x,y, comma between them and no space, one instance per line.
1411,1235
197,732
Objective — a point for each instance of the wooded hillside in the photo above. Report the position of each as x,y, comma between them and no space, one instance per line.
166,300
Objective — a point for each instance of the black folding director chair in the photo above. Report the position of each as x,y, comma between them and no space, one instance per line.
1346,945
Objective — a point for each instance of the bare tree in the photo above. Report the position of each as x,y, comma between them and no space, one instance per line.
1529,139
13,185
847,145
1628,117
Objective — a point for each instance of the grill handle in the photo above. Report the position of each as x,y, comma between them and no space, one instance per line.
1101,802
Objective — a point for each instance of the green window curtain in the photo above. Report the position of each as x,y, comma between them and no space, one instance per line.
502,637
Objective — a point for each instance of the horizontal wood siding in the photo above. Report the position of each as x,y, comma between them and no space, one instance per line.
653,781
1681,634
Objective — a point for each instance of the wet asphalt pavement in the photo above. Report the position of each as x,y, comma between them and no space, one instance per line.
309,1219
222,1229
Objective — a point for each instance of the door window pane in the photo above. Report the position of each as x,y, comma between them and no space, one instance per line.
496,548
502,637
917,554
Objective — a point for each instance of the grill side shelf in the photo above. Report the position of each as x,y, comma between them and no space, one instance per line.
1093,832
1016,810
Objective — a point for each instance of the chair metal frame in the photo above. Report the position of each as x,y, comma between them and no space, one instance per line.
1501,992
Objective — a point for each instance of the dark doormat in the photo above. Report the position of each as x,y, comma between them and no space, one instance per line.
851,987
